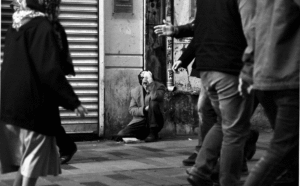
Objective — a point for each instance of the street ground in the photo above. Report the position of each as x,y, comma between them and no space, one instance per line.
110,163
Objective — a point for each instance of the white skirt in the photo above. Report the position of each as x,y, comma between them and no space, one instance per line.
33,153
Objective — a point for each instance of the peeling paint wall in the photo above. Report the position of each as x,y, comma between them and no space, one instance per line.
124,59
155,46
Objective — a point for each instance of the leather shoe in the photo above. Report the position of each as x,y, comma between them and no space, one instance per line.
66,158
152,137
196,181
190,160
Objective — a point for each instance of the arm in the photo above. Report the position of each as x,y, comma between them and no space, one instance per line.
188,55
247,11
134,108
157,91
186,30
168,29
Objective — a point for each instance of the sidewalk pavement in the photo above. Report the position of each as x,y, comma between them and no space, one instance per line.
110,163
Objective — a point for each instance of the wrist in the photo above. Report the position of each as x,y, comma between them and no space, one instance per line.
175,30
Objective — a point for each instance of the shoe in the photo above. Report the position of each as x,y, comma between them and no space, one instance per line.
250,146
190,160
66,158
196,181
152,137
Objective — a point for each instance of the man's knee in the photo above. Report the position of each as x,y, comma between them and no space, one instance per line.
121,133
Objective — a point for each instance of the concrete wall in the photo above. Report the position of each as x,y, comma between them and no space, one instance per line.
124,53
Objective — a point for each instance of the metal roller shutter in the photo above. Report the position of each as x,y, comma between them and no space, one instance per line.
80,19
6,21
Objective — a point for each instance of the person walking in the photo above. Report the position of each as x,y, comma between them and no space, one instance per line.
271,71
33,86
217,46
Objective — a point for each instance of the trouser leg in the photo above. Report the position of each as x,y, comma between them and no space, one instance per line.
64,142
282,109
155,116
207,116
138,130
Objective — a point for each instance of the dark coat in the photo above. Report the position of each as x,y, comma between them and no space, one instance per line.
219,42
33,83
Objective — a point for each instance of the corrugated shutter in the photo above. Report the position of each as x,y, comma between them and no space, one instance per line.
6,21
80,18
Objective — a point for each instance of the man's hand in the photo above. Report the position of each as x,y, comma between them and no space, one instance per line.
164,30
244,88
147,75
81,111
176,66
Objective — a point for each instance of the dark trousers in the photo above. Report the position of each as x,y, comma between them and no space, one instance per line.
153,122
65,144
282,110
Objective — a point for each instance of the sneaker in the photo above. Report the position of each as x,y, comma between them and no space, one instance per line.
190,160
250,146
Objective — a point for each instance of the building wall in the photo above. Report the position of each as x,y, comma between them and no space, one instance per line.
124,54
184,12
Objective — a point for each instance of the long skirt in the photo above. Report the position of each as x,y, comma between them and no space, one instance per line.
32,153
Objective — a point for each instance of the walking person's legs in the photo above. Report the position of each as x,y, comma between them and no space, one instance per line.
282,109
207,118
227,138
67,147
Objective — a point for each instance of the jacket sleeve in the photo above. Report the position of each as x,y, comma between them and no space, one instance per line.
186,30
46,61
247,10
134,108
157,91
188,54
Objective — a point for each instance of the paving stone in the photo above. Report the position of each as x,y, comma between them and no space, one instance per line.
3,184
119,177
55,178
68,167
93,184
149,149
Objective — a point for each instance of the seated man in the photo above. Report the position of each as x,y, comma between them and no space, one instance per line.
145,108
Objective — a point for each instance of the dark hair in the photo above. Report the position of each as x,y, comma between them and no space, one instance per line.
140,78
36,5
49,7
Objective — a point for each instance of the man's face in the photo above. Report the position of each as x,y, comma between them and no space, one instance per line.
145,84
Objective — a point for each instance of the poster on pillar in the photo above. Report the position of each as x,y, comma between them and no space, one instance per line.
123,6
